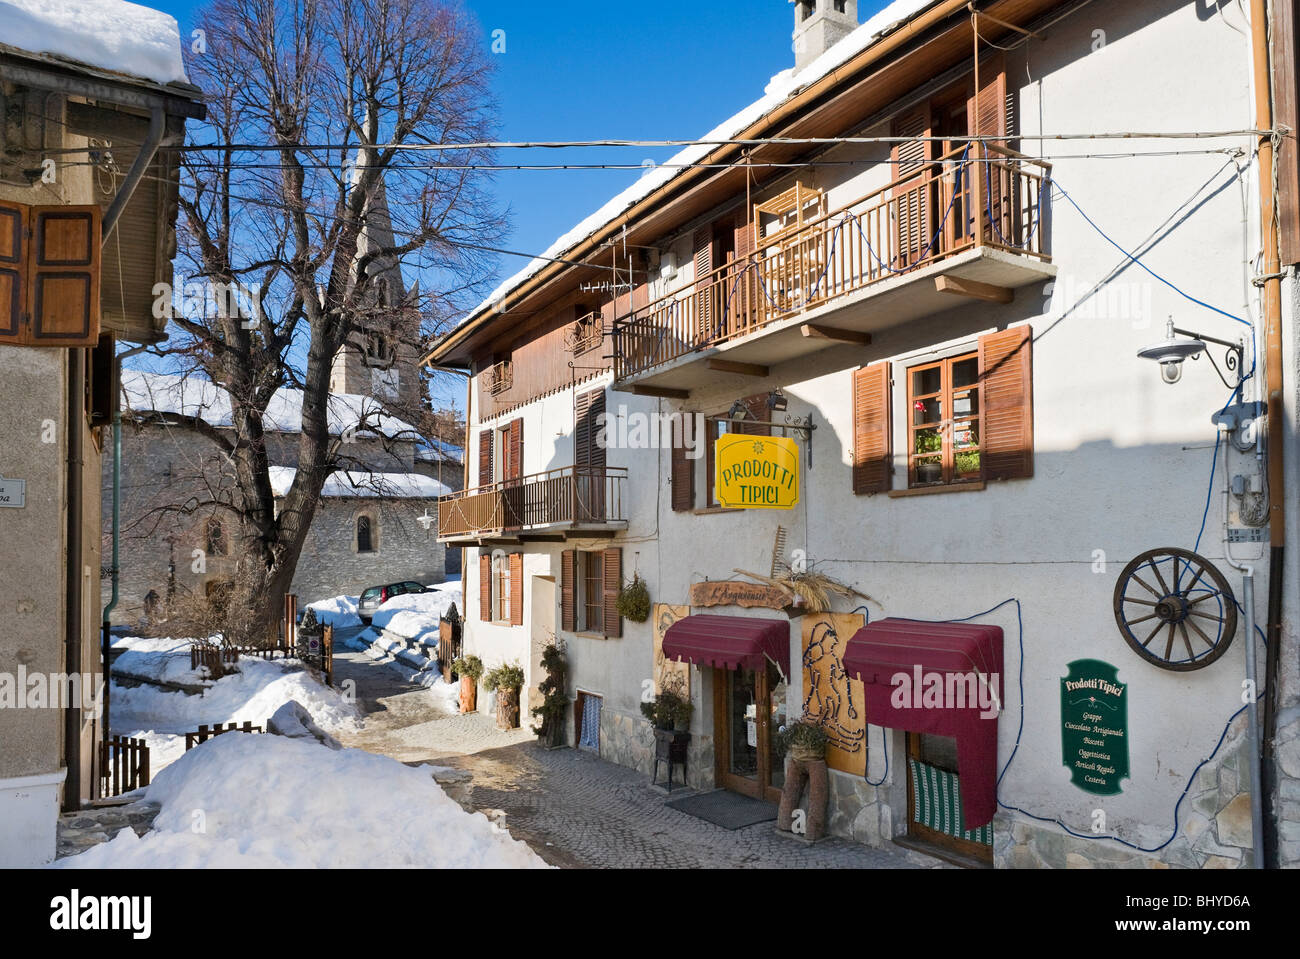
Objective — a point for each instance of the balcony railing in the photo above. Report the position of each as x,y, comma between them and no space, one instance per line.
569,496
499,377
976,194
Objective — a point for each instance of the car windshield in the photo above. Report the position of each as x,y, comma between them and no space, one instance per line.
371,593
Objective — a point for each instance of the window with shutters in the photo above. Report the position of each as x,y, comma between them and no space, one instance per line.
965,416
500,588
591,579
943,401
757,421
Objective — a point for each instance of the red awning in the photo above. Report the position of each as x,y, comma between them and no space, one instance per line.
941,678
729,642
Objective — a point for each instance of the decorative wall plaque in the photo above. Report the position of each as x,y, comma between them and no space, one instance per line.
1094,726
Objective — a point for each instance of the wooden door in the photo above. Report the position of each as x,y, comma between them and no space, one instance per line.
749,707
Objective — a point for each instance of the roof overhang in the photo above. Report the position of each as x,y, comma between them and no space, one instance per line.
856,94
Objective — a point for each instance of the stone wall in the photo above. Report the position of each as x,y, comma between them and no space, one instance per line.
629,741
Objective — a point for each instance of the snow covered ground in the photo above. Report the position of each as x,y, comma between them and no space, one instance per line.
339,611
259,688
263,801
415,615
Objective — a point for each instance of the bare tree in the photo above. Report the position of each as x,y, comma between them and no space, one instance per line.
333,87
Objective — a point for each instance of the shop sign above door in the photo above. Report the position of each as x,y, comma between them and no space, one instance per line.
732,592
756,472
1094,726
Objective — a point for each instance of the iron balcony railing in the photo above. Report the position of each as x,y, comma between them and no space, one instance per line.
976,194
567,496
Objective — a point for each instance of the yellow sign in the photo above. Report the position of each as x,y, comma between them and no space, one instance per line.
756,472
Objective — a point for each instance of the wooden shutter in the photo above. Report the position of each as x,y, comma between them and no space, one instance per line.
683,467
703,287
760,414
13,256
63,276
1007,385
742,287
485,458
568,588
612,571
485,587
872,450
911,211
516,589
589,456
987,116
515,463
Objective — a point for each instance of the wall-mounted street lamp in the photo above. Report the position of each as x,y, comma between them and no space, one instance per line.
1172,351
777,402
426,520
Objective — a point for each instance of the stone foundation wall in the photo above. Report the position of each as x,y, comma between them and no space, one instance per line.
629,741
862,812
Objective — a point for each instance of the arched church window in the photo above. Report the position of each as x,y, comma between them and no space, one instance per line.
365,535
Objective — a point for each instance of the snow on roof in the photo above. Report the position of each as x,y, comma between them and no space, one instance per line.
430,451
106,34
365,483
194,396
779,89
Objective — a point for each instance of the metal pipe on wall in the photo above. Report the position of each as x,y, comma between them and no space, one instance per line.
1271,303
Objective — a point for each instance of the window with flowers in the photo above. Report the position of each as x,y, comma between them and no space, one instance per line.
944,422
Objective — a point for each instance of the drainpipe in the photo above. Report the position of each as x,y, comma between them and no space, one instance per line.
105,637
1272,319
73,572
1252,712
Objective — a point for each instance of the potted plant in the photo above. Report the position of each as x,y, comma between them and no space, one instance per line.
929,470
506,681
555,703
469,668
803,741
634,600
668,711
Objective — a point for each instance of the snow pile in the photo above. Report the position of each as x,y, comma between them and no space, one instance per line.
415,668
108,34
157,660
779,89
267,802
337,611
251,695
365,483
415,615
200,398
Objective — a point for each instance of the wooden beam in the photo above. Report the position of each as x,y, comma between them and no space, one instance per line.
815,330
662,391
974,288
732,366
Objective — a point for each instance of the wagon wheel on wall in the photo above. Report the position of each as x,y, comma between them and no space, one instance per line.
1175,609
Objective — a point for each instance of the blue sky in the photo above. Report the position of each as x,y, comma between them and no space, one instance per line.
583,70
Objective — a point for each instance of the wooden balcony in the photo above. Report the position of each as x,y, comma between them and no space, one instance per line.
973,222
569,501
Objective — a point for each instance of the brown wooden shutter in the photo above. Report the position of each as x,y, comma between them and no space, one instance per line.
1007,385
742,287
63,277
485,458
516,589
911,212
986,115
13,286
568,584
516,462
703,282
872,450
683,467
760,414
485,587
612,571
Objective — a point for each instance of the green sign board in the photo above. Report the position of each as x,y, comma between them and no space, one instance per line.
1094,726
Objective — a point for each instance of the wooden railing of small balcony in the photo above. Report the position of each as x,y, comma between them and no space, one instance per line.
976,194
570,495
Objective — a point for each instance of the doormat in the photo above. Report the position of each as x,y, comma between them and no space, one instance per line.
725,808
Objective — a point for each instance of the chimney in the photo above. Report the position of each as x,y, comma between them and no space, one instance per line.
819,25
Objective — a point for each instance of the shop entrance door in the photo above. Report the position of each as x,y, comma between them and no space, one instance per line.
749,710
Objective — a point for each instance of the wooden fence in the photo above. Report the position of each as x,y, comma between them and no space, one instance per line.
123,765
204,733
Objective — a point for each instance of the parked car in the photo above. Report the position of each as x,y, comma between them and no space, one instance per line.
372,597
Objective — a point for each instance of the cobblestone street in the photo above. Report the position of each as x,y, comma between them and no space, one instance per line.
573,808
